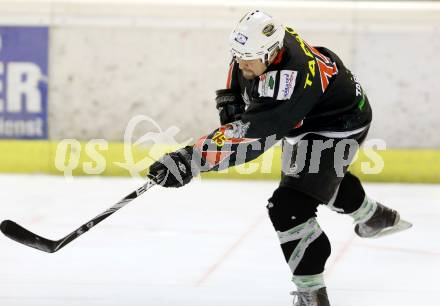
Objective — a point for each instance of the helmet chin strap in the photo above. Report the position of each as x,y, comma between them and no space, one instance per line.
272,56
266,60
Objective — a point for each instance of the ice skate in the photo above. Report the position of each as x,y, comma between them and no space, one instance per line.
385,221
311,298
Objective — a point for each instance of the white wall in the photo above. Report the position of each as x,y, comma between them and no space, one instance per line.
109,62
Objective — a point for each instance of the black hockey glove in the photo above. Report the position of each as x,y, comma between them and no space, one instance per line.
230,105
173,169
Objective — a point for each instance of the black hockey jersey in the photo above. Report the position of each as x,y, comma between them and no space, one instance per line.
305,89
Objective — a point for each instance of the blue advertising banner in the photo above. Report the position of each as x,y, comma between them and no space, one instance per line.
23,82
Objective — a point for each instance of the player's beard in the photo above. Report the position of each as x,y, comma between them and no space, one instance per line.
248,75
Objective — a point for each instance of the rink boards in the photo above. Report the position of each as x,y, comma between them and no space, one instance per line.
94,94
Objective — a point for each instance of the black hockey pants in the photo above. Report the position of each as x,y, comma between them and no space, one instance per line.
308,182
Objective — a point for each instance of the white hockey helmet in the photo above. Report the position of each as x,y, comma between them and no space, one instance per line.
256,35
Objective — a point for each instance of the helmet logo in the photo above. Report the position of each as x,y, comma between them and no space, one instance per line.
240,38
269,29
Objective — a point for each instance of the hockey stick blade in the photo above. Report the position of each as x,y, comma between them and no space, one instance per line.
18,233
23,236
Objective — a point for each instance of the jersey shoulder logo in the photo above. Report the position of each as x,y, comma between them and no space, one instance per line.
266,86
287,84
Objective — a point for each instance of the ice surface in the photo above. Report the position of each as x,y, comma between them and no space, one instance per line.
209,243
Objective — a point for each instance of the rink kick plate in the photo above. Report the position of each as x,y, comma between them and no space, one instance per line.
400,165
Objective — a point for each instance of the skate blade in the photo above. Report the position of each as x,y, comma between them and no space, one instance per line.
399,227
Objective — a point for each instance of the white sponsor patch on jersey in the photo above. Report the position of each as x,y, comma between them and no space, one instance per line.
287,84
266,86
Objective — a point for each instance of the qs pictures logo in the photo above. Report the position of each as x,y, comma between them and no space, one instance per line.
154,141
138,154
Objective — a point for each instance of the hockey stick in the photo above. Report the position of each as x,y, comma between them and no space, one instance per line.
20,234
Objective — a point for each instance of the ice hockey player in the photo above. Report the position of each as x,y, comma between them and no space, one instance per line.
281,88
